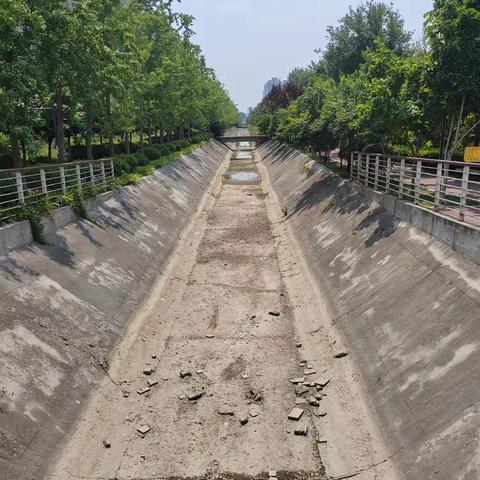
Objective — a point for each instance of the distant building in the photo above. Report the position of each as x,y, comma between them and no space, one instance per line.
270,84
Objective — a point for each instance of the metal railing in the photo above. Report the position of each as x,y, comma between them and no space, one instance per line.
20,186
452,188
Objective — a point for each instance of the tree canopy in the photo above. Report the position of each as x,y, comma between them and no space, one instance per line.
95,70
375,89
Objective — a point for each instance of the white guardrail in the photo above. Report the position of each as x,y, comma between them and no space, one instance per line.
20,186
452,188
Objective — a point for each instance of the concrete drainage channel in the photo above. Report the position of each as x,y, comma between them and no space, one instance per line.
275,342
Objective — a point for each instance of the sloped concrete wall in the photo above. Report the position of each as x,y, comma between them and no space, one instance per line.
408,308
64,306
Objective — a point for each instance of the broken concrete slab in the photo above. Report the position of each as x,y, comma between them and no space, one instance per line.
295,414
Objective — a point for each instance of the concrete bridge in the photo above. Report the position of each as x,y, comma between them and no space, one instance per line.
257,139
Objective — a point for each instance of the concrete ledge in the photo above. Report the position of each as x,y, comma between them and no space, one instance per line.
460,237
14,235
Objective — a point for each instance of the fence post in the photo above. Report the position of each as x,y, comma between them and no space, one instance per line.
112,169
21,197
359,163
388,173
102,169
463,195
92,175
377,164
438,186
62,180
43,180
351,165
79,176
401,179
418,177
367,168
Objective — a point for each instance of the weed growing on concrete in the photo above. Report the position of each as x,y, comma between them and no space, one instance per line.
33,214
308,170
329,205
285,211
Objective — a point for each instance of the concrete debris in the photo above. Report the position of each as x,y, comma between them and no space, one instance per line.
107,443
272,473
254,411
245,376
341,354
126,394
297,380
225,410
143,429
303,363
309,371
199,372
148,371
300,401
301,430
301,390
154,356
321,440
182,397
152,383
143,390
295,414
323,382
313,402
243,420
210,335
184,374
299,345
196,395
274,313
320,413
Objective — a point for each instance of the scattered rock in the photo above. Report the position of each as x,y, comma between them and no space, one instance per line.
126,394
295,414
143,390
272,473
297,380
323,382
148,370
299,345
301,430
225,410
303,363
321,440
254,411
320,413
300,401
313,402
154,356
199,372
274,313
245,376
196,395
184,374
182,397
107,443
301,390
152,383
243,420
210,335
341,354
309,371
143,429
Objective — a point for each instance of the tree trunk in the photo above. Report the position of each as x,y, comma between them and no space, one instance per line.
150,135
127,143
59,131
141,140
15,147
455,143
50,140
88,132
162,135
24,153
111,144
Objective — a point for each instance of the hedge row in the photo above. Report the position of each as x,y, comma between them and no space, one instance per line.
128,163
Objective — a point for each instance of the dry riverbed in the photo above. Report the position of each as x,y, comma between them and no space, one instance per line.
231,369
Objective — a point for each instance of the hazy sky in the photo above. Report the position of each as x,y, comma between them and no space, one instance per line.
248,42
